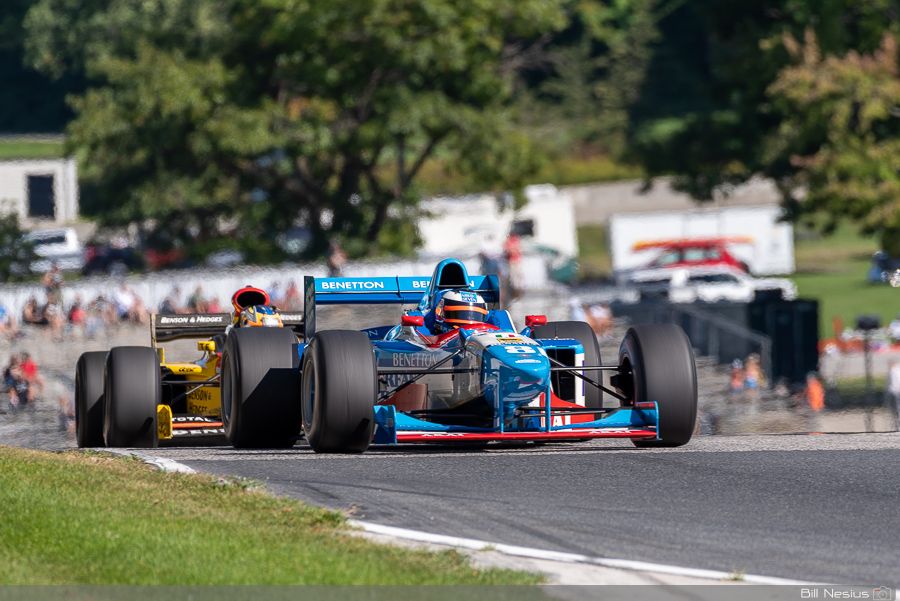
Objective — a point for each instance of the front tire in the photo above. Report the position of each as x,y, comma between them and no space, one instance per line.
133,391
656,363
89,373
339,391
582,332
259,388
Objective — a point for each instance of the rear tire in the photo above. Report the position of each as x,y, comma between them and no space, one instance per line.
133,391
656,363
259,389
339,392
582,332
89,399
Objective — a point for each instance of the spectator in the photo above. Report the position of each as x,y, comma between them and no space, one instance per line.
753,378
276,299
30,371
736,377
513,250
600,319
814,392
53,280
292,299
103,309
214,306
491,255
124,302
172,304
7,323
336,258
892,394
197,302
31,314
18,388
77,313
65,418
54,315
894,329
576,310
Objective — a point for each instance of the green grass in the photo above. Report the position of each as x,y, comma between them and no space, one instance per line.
82,518
26,149
572,170
832,269
594,260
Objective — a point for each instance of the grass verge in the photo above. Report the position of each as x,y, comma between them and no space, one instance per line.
833,269
81,518
30,150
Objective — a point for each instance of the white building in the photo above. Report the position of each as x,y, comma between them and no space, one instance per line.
41,192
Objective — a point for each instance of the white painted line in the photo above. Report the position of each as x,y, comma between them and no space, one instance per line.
624,564
171,465
163,463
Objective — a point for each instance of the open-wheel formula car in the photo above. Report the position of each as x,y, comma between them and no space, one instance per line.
454,369
132,396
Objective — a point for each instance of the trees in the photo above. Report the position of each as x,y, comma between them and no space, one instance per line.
841,134
708,117
243,117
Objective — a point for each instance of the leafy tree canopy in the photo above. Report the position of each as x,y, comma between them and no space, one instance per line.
241,118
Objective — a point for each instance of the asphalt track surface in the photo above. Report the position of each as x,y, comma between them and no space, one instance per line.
823,508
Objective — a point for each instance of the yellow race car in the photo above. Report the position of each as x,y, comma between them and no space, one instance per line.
134,396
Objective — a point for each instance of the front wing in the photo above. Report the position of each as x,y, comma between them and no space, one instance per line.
640,422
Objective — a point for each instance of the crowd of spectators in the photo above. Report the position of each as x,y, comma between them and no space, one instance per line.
22,380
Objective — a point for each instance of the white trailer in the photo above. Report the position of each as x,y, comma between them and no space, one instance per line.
461,226
760,240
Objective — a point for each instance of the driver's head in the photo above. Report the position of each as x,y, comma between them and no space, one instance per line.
459,308
260,316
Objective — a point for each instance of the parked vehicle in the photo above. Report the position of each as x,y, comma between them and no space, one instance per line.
59,246
104,259
709,284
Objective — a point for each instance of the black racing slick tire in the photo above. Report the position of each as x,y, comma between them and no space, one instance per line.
656,363
259,389
132,392
582,332
339,392
89,399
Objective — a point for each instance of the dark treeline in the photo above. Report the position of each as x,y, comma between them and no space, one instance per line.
224,122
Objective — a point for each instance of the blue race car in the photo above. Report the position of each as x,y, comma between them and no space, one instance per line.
454,369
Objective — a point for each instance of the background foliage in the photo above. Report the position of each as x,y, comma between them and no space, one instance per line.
229,121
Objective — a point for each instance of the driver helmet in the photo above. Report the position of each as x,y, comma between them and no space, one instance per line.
459,308
260,316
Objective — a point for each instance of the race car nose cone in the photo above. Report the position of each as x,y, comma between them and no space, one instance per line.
524,372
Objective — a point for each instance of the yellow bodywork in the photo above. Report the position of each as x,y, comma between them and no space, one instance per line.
204,400
164,421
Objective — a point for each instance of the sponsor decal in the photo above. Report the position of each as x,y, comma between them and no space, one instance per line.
420,283
193,319
519,350
195,418
292,317
204,394
528,361
352,285
198,432
413,359
469,297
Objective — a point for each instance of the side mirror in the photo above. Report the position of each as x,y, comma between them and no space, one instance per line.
412,320
535,320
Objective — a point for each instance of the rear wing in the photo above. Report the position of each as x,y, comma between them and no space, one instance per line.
199,325
379,291
164,328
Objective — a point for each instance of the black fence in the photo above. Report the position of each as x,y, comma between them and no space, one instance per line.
784,333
